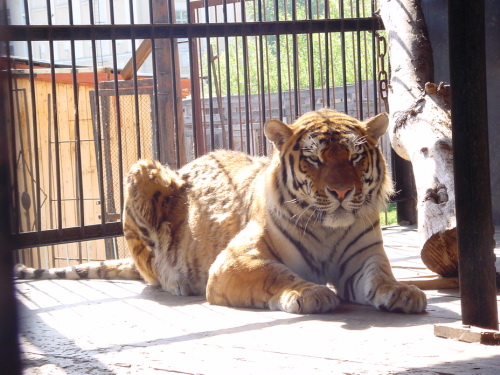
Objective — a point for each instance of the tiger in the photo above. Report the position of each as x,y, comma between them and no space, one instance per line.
298,231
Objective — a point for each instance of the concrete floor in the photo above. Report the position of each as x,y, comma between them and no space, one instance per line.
119,327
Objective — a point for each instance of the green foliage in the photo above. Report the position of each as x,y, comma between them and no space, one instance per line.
292,61
389,216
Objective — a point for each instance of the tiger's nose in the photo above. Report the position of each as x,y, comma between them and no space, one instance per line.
339,193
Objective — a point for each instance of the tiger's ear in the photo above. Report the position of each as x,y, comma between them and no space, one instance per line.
277,132
377,125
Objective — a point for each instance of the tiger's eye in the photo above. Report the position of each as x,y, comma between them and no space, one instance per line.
314,158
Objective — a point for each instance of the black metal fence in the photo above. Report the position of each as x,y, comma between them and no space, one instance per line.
95,85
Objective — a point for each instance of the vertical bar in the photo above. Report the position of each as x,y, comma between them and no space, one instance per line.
111,196
360,76
199,139
203,101
10,362
228,82
344,68
278,64
289,77
179,133
210,93
78,153
270,89
327,56
240,119
333,100
245,81
173,43
209,80
262,86
134,78
296,66
154,97
98,140
56,122
34,120
374,64
471,163
310,44
367,83
14,209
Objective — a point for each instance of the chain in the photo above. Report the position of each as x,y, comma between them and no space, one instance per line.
382,74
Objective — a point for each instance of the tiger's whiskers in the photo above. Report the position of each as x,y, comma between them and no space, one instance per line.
299,215
307,222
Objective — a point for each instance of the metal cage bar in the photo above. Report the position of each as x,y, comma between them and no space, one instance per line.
259,68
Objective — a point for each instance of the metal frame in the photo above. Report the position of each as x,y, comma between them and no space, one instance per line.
156,33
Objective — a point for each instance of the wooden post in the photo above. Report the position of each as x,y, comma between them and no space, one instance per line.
405,183
166,74
471,163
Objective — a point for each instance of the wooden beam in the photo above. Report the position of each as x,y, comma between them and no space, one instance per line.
141,55
434,282
467,334
475,229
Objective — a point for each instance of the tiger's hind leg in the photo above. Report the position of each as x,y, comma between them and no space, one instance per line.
149,191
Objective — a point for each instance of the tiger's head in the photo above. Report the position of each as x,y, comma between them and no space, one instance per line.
328,164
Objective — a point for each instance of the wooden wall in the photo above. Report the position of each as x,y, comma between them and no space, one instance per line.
36,131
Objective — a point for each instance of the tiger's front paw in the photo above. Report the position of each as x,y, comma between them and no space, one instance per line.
307,300
400,298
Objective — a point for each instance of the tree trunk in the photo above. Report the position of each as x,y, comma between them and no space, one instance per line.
420,130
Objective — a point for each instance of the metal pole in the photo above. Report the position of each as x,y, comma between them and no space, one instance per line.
9,345
471,162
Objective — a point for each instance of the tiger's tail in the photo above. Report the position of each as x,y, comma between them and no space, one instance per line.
116,269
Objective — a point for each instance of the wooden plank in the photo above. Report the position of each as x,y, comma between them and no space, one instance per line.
110,85
26,72
125,91
467,333
471,164
432,282
25,170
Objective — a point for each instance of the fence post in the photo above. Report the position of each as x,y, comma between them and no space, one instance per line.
471,164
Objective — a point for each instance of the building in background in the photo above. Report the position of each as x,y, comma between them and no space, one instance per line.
121,13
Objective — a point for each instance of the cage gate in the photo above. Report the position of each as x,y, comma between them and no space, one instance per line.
98,85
